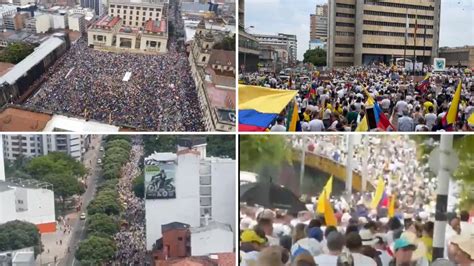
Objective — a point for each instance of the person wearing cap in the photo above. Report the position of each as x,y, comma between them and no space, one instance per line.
335,244
462,250
252,242
363,255
403,252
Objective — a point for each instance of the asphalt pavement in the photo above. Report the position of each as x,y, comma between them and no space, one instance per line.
78,229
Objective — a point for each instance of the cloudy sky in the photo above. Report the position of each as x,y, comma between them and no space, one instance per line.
292,16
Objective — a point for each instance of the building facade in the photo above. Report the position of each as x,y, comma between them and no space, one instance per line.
319,25
212,238
136,14
38,145
362,32
198,183
77,22
95,5
28,200
458,56
285,44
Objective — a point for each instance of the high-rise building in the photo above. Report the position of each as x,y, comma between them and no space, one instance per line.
38,145
189,185
95,5
361,32
319,24
283,41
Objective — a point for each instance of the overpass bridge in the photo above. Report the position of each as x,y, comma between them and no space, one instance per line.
329,166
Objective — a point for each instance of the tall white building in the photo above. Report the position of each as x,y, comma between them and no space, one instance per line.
197,198
28,200
37,145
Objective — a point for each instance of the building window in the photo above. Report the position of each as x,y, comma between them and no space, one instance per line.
20,201
344,15
342,45
344,33
394,24
344,24
397,15
345,54
151,14
144,13
345,6
401,47
203,59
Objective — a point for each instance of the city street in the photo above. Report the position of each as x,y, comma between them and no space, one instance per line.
64,250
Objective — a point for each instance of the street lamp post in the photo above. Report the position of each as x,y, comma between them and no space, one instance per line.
303,158
350,153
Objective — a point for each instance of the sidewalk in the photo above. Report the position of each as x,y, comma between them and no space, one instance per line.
57,244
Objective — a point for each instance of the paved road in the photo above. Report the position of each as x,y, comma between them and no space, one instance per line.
78,232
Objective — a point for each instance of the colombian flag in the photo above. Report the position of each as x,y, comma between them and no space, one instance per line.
259,106
380,119
451,116
422,86
379,193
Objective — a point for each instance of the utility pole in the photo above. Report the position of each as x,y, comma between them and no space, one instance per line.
303,157
365,160
349,159
444,175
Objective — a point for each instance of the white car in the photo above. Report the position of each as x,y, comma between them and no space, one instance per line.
99,161
83,216
101,148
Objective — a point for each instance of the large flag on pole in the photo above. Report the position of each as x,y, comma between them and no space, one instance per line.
326,193
378,193
451,116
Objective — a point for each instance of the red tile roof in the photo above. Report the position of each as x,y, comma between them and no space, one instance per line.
155,26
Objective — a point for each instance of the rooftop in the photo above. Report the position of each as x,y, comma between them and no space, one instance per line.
64,123
107,22
15,119
156,26
211,226
161,157
222,57
222,98
31,60
174,226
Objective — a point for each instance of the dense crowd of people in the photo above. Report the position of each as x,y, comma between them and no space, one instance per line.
276,238
337,100
131,247
395,160
160,96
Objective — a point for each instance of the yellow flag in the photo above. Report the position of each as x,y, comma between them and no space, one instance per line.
363,125
452,113
470,120
378,193
320,207
391,207
328,187
329,213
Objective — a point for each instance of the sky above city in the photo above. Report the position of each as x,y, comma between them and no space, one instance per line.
292,17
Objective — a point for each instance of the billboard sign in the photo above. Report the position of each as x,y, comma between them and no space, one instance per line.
439,64
160,180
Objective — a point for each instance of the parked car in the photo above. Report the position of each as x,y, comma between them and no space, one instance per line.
83,216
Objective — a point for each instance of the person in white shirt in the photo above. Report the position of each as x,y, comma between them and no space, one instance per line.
335,244
279,127
381,247
316,124
354,244
401,106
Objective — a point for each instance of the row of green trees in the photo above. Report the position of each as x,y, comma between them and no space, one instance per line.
15,52
103,219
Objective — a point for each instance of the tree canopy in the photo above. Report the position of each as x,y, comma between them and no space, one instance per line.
101,224
317,57
15,52
96,250
259,152
228,44
18,234
139,186
59,169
